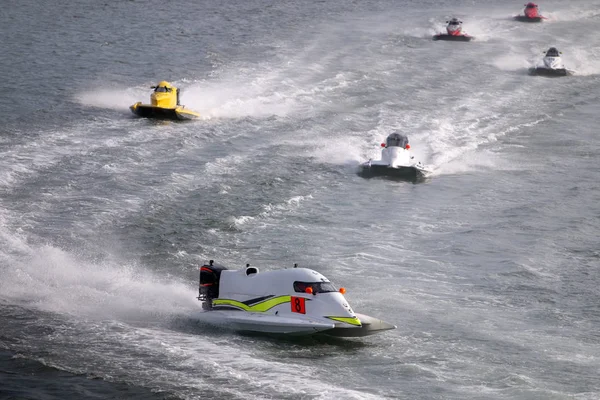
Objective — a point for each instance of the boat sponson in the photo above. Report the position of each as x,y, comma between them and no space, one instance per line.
369,326
524,18
453,38
409,173
541,71
265,323
148,111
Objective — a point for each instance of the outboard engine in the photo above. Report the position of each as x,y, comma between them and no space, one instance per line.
454,27
531,10
209,283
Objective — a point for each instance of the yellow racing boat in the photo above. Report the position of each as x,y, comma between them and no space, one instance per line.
164,104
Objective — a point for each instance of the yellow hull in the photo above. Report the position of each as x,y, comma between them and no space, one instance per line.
150,111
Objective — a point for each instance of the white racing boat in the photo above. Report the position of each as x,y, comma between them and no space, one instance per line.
396,161
552,65
295,301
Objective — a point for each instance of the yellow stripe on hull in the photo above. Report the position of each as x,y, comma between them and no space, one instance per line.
184,113
260,307
352,321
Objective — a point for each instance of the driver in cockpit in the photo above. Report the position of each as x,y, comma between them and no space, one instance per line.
454,27
164,87
396,140
552,52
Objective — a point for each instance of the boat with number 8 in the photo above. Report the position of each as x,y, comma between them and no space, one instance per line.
295,301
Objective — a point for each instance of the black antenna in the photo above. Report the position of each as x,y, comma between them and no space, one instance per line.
211,262
295,265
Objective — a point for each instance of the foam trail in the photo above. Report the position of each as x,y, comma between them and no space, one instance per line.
230,96
58,281
584,61
571,14
237,98
113,99
341,150
512,61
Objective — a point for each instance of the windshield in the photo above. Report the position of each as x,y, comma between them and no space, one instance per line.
552,53
162,89
396,139
317,287
531,6
454,23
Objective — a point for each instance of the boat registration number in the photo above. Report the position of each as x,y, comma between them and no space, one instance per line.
298,305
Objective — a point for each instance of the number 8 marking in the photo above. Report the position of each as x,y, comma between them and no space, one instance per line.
298,305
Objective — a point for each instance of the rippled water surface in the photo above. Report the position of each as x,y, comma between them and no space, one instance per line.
490,268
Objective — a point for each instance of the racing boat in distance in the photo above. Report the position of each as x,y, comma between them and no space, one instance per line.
454,32
396,161
552,65
531,13
164,104
295,301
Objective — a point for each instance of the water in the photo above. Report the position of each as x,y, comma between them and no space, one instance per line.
490,269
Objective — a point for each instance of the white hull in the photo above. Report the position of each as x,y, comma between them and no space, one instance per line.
264,323
395,162
275,324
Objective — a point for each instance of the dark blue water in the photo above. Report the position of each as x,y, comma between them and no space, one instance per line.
490,268
26,379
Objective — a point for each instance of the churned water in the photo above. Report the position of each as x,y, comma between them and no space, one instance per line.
490,269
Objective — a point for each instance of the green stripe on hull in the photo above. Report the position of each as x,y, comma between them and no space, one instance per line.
260,307
352,321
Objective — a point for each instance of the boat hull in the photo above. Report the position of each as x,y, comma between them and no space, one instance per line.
178,113
523,18
407,173
369,326
453,38
281,325
549,72
263,323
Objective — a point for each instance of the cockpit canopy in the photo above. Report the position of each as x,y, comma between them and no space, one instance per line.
317,287
396,139
163,87
552,52
454,21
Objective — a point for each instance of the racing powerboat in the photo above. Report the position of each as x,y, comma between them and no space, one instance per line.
531,13
164,104
294,301
396,161
551,65
454,32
